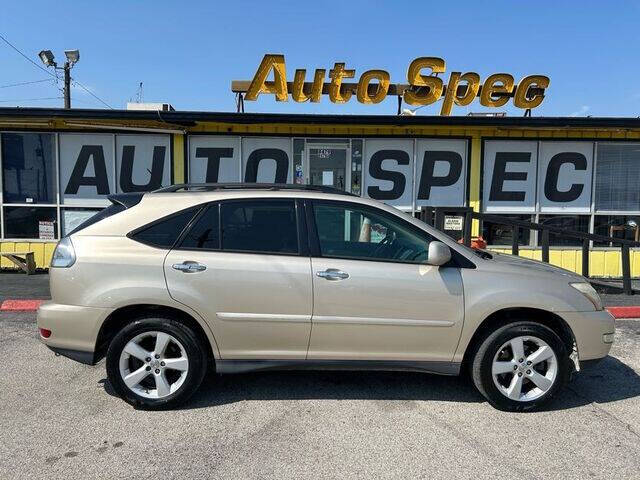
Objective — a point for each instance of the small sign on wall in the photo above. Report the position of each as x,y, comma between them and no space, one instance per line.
46,230
453,223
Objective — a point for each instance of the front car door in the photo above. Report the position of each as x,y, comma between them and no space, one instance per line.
375,298
244,267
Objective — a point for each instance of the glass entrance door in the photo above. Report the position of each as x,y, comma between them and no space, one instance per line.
327,165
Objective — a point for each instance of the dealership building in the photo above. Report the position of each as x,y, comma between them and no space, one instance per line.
58,167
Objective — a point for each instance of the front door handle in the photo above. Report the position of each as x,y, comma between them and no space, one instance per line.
189,267
332,274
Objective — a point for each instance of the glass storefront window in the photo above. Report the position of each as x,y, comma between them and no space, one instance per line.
28,174
501,234
578,223
356,166
328,167
298,152
618,226
72,217
31,222
618,177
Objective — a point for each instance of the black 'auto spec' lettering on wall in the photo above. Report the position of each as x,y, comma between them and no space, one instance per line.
500,175
551,191
376,171
282,164
78,178
126,170
213,156
428,180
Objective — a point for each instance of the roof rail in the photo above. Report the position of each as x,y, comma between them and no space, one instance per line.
207,187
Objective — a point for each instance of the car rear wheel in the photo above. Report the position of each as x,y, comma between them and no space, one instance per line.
156,363
521,366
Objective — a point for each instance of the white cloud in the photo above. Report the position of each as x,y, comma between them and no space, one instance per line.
583,110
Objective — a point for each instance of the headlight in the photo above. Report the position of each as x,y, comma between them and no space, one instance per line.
64,255
588,291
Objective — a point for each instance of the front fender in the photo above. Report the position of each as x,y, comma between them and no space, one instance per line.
482,299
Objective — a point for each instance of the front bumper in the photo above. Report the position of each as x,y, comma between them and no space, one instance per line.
593,332
74,329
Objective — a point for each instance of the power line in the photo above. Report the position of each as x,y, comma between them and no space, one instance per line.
29,99
85,100
27,58
26,83
92,94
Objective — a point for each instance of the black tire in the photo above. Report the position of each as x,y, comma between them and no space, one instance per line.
196,354
481,365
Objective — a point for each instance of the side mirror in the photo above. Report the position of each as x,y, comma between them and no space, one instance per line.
439,254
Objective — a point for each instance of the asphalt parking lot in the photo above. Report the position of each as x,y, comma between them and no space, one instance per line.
59,419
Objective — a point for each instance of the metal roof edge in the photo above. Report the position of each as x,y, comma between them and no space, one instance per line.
189,117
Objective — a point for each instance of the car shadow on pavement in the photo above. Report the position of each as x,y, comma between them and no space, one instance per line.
608,381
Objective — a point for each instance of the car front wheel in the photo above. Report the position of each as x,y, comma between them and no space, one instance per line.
156,363
521,366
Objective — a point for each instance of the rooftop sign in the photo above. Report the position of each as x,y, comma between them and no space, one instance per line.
424,86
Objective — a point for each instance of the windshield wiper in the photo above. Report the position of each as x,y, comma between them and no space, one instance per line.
483,254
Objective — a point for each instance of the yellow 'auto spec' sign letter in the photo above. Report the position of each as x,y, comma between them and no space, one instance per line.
259,83
521,100
451,96
381,91
416,79
489,88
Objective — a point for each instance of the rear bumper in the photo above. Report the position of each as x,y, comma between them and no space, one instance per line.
593,332
74,329
88,358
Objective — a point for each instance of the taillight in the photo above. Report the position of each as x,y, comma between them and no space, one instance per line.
64,255
45,333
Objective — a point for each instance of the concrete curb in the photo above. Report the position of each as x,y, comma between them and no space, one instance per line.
625,312
20,305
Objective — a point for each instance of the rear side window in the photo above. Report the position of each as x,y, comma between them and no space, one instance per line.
265,226
205,232
164,232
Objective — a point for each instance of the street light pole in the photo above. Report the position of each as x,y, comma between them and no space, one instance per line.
67,85
73,56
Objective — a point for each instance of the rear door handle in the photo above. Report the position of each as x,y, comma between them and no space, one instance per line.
189,267
332,274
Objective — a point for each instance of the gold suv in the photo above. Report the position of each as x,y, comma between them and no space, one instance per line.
191,279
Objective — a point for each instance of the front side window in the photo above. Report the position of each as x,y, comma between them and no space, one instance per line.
259,226
362,233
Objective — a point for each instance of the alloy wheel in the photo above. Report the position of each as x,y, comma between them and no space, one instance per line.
154,364
524,368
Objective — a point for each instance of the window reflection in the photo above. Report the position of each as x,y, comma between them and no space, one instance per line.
28,174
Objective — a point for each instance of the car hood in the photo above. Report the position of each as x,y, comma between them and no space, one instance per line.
532,266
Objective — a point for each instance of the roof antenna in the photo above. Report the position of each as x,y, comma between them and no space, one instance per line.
139,96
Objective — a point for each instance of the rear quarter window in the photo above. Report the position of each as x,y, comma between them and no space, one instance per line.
165,232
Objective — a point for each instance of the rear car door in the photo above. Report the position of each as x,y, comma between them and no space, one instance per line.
375,298
243,265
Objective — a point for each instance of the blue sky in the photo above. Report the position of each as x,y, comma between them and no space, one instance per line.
187,53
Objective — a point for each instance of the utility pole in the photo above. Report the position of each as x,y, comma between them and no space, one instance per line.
73,56
67,84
